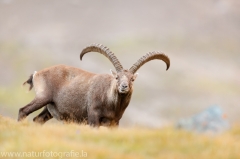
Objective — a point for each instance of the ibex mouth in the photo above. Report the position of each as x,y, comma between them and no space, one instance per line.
123,91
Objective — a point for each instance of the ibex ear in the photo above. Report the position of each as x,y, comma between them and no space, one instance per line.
113,73
135,76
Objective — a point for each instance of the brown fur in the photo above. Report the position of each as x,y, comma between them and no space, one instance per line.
72,94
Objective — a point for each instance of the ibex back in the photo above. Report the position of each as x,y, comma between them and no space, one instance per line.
71,94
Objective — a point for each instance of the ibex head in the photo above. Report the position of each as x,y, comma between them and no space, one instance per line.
125,78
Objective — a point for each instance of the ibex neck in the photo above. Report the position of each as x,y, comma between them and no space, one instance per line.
113,92
119,100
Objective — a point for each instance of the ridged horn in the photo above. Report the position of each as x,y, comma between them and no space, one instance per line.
148,57
106,52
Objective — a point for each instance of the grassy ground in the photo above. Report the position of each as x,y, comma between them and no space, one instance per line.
70,140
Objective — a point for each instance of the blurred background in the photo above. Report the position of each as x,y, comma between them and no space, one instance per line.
200,37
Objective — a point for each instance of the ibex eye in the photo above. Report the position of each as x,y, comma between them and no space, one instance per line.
116,77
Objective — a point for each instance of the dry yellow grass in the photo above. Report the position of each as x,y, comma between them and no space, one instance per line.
140,143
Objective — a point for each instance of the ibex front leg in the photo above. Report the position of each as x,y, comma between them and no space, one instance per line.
36,104
94,116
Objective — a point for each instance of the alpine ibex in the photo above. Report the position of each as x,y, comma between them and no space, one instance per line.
72,94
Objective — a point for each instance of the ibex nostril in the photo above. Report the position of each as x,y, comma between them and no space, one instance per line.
124,86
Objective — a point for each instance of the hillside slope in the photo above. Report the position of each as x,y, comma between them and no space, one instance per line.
70,140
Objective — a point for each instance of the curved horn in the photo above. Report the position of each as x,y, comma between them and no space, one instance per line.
148,57
106,52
